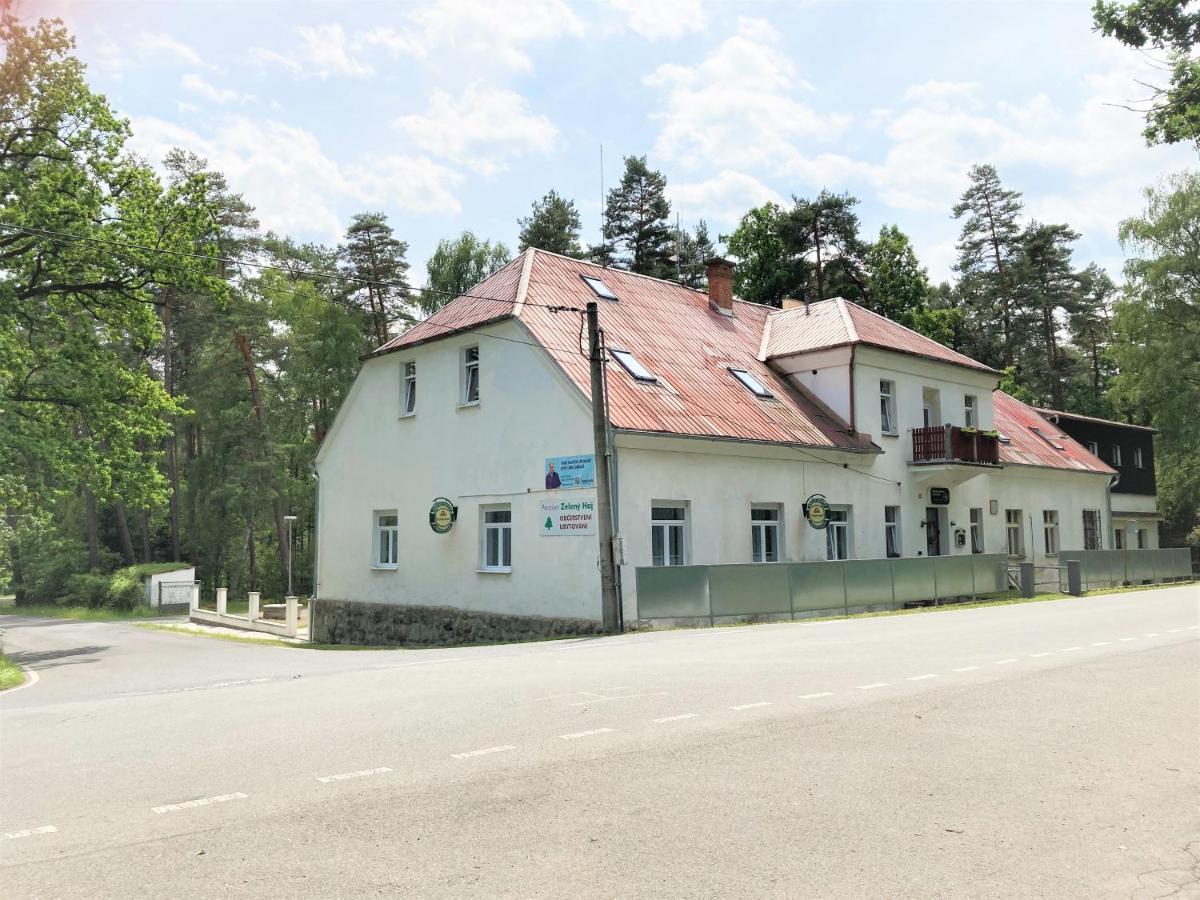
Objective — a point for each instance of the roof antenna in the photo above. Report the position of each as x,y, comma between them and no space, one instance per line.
603,212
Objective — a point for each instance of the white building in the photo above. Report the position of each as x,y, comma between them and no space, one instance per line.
726,417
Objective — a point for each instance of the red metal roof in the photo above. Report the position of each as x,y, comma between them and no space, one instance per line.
1029,447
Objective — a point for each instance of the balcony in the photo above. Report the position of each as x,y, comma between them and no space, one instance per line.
942,444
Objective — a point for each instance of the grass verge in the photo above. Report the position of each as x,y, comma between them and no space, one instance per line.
82,613
11,674
260,642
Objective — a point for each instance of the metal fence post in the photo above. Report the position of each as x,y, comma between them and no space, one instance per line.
1027,580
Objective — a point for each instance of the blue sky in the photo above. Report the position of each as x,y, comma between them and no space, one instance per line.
451,115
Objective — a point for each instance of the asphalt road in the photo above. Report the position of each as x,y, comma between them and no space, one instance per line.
1039,750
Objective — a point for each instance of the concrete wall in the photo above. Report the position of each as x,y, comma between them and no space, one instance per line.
184,573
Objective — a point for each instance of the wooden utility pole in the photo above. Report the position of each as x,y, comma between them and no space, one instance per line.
610,613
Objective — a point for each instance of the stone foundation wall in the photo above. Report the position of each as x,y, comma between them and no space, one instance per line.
352,622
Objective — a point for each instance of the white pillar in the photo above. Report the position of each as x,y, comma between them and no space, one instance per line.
252,612
195,596
222,601
292,613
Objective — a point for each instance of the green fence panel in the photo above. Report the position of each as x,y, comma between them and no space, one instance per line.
912,579
1141,566
818,586
990,572
953,576
751,589
670,592
868,582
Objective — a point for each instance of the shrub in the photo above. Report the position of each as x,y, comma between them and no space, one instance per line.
126,589
85,589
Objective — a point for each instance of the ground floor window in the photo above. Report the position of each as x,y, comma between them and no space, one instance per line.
977,529
1119,538
387,541
837,534
1012,524
1091,529
891,531
1050,530
1142,539
764,533
497,539
668,534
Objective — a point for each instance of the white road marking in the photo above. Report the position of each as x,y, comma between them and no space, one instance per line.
815,696
1193,626
1068,649
1151,634
484,751
870,687
967,669
752,705
1004,662
31,678
1128,639
582,734
1101,643
362,774
203,801
27,832
602,699
1040,655
922,677
424,662
199,687
1173,631
677,718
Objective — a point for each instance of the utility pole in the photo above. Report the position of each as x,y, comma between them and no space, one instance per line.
608,577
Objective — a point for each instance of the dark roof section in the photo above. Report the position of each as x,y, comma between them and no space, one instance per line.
1079,417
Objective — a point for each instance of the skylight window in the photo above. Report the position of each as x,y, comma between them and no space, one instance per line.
1045,437
601,289
752,384
630,364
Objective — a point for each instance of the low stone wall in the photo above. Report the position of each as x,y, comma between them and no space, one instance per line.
352,622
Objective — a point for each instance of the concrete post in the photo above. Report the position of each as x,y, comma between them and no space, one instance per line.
292,615
1027,580
1074,577
252,611
196,596
222,601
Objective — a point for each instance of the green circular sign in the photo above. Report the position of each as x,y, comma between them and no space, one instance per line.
816,510
442,515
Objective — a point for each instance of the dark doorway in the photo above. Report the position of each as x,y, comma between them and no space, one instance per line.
933,531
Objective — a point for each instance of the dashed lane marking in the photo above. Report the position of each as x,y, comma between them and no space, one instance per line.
967,669
205,687
575,735
815,696
346,775
1151,634
1005,662
922,677
677,718
27,832
1101,643
1040,655
484,752
751,705
1193,626
1173,631
603,699
1127,639
871,687
1068,649
202,801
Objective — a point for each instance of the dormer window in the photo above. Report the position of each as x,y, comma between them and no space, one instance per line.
752,384
630,364
1045,437
599,287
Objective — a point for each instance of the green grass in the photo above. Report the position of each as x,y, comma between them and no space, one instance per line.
262,642
83,613
11,674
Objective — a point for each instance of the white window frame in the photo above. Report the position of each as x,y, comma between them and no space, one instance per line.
599,288
750,383
662,529
838,534
1143,538
976,517
1093,448
408,389
1050,531
1116,454
1139,461
971,411
469,368
1118,538
887,407
631,364
503,530
891,532
759,529
1096,530
1014,525
385,556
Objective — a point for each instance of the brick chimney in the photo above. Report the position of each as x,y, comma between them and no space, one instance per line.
720,285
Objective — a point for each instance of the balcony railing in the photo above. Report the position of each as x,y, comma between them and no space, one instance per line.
949,443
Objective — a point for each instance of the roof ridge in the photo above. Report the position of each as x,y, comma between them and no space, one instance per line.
851,331
604,268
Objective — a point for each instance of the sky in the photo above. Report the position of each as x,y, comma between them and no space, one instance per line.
458,114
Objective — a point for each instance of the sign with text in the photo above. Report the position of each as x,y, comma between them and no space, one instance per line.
562,517
939,496
570,472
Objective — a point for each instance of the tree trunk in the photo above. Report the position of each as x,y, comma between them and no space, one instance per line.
145,529
92,526
1005,311
124,535
15,563
169,442
820,271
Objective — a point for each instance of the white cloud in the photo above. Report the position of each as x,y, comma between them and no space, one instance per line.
144,49
296,188
197,85
482,128
323,50
664,19
723,199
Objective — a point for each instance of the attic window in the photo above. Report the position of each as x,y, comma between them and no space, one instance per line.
599,287
1005,439
752,384
630,364
1045,437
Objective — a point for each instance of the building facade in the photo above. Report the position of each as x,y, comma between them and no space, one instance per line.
458,474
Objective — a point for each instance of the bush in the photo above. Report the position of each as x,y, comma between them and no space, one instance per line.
85,589
126,589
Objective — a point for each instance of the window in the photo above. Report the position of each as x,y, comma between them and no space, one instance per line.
764,534
599,287
408,395
497,539
837,534
1091,529
1141,538
386,540
470,382
1119,538
931,407
752,384
1050,530
891,531
977,529
630,364
1116,454
1137,458
1093,448
970,411
887,407
1012,524
668,535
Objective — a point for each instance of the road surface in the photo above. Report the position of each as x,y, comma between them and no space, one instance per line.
1037,750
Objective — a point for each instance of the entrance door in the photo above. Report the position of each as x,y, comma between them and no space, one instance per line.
933,531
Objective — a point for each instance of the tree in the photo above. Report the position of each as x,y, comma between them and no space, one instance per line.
1045,287
765,272
1090,327
373,262
1172,112
636,232
692,252
457,265
989,240
825,232
552,225
897,284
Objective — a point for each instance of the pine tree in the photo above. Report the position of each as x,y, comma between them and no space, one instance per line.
552,225
692,251
636,232
826,229
1090,326
373,262
1045,286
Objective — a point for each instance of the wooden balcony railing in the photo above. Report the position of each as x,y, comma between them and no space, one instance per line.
949,443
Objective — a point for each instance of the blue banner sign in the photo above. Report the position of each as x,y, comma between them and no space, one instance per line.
570,472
